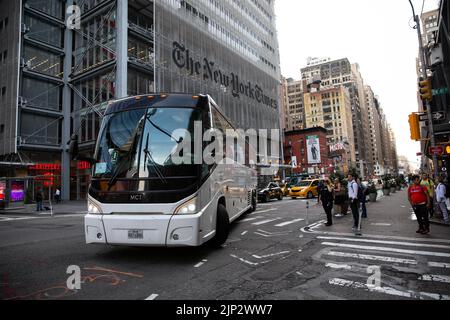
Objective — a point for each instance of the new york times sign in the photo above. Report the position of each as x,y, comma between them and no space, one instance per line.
207,69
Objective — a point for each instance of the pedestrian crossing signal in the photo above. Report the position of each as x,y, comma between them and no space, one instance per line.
414,126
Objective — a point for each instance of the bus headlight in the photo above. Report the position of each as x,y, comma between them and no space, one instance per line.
189,207
93,209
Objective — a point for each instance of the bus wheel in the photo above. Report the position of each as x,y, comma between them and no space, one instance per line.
222,227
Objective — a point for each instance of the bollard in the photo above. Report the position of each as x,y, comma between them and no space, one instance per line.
307,216
358,232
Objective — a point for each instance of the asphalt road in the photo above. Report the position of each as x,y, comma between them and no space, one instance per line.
269,255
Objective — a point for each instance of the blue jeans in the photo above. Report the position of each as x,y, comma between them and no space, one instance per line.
39,206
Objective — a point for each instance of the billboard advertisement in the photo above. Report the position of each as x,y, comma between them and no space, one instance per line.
17,191
313,147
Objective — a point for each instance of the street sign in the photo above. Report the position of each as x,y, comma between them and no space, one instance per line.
436,151
439,116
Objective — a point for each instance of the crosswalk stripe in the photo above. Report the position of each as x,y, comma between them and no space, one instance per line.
387,249
370,257
288,222
439,265
409,244
435,278
250,219
264,222
338,266
387,290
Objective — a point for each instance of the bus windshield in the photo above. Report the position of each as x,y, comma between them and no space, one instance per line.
135,149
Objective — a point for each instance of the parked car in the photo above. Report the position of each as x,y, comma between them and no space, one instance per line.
272,191
305,189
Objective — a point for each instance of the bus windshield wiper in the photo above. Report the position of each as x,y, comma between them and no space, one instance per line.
152,162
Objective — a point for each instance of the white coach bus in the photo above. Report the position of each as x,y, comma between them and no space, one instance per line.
140,196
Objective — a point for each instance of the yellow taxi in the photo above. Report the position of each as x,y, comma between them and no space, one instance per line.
304,189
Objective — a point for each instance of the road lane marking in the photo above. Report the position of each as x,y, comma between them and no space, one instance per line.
370,257
288,222
408,244
200,263
435,278
338,266
250,219
387,290
152,297
386,249
274,233
439,265
247,261
263,211
264,221
270,255
381,224
244,233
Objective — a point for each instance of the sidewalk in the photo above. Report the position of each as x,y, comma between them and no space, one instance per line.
390,215
67,207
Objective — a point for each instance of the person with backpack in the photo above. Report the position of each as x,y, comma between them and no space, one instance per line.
326,198
354,200
419,199
441,199
362,194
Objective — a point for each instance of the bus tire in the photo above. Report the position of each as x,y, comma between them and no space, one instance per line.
222,227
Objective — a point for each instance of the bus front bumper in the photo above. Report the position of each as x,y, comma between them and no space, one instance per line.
143,230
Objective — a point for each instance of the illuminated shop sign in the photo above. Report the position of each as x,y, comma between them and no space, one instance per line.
17,191
183,59
2,190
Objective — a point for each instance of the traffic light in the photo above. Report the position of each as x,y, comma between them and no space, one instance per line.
447,149
414,126
426,92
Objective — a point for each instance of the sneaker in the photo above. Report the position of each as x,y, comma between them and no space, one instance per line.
354,228
339,215
426,231
328,224
419,231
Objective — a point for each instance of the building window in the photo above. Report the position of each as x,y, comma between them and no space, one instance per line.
44,31
43,61
42,94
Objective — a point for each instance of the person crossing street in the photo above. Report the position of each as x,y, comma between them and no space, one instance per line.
354,200
419,199
326,197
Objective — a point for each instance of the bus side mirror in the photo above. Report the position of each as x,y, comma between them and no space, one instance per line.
73,147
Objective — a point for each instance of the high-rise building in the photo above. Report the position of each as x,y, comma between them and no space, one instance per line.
374,132
328,73
58,75
330,108
295,112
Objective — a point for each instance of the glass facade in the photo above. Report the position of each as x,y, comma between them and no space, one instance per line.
44,31
42,94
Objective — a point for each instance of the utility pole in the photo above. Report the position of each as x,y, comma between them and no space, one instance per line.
423,59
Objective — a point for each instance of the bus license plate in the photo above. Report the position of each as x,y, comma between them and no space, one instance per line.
136,234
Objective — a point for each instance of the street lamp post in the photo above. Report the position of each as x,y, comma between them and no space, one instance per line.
423,59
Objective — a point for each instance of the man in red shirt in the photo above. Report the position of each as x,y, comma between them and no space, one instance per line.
420,200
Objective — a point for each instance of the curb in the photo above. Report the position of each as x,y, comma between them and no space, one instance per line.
438,222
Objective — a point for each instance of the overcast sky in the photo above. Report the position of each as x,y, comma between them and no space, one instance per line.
377,34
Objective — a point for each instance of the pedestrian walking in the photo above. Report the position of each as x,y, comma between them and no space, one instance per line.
429,185
419,199
39,197
362,197
338,198
354,201
58,195
441,199
326,198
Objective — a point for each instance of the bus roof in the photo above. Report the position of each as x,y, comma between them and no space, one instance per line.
178,100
